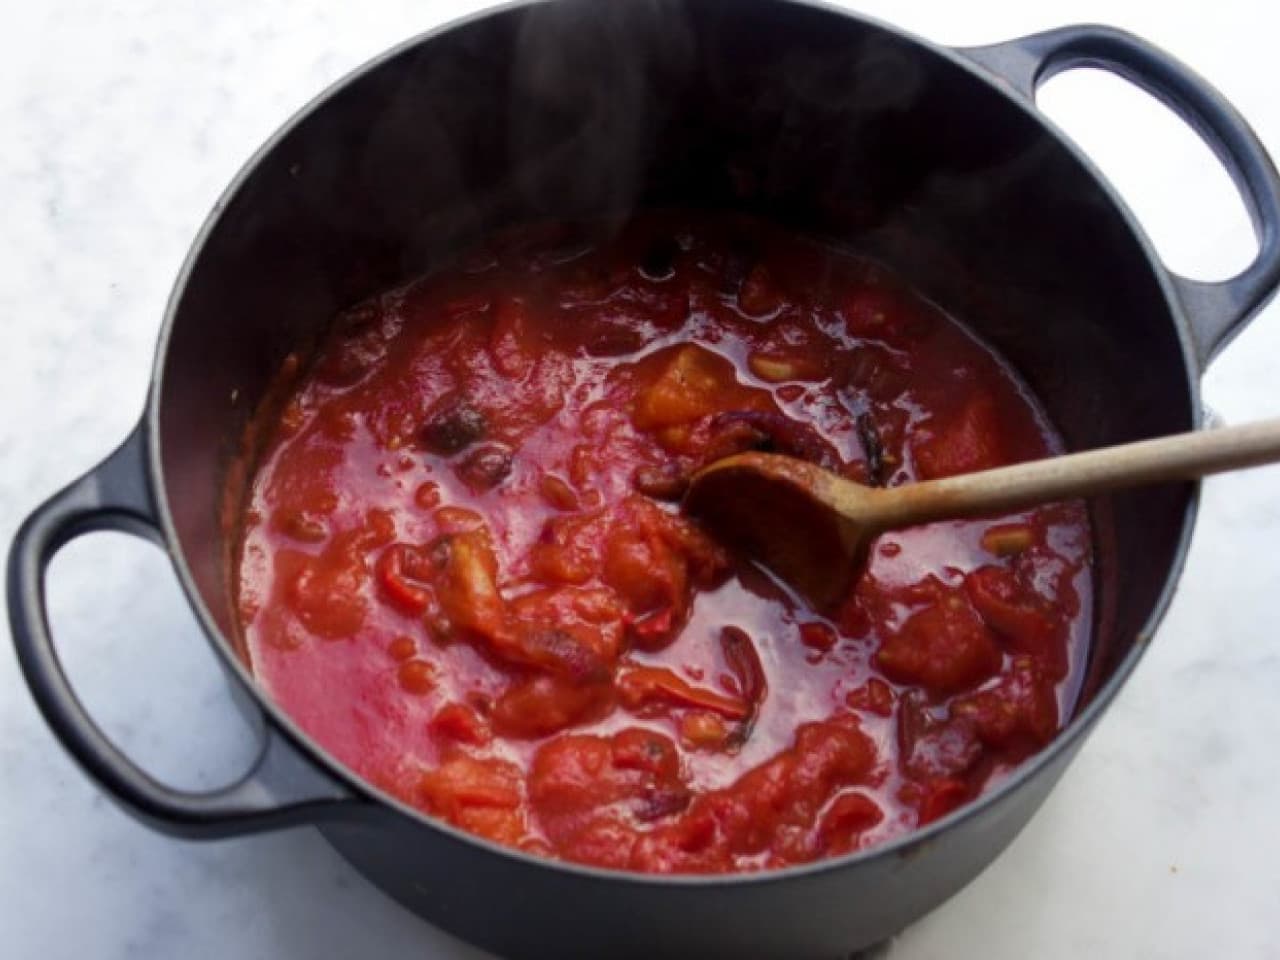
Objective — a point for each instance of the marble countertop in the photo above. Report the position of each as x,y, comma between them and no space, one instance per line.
121,123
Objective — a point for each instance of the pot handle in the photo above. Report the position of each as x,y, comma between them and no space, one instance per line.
281,788
1216,311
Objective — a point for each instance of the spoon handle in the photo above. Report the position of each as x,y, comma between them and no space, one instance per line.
1183,456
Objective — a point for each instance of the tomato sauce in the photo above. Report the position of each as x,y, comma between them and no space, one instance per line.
463,568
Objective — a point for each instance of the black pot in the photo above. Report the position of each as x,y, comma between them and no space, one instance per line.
932,159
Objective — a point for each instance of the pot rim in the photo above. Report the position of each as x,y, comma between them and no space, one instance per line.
902,846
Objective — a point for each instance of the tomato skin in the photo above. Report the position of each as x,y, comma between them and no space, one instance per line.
935,744
463,782
654,561
940,798
566,551
964,443
576,782
417,676
641,688
542,705
465,570
644,571
512,345
875,696
402,648
1020,707
404,575
602,843
818,636
558,493
328,600
1021,619
459,723
944,648
774,806
327,591
703,729
846,820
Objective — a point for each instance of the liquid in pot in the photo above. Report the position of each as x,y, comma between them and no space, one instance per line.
463,569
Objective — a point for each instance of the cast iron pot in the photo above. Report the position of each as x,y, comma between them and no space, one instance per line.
932,159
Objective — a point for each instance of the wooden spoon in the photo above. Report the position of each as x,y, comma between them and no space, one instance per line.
812,527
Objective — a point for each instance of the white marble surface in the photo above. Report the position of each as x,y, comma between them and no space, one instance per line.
121,123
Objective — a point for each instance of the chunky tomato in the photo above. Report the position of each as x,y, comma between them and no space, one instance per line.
463,569
943,648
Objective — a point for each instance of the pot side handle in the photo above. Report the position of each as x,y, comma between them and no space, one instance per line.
1217,311
281,788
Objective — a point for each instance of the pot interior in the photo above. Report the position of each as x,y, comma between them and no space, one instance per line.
580,110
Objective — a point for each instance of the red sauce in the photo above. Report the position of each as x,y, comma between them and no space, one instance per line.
464,572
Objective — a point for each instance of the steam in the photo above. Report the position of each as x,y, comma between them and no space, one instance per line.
600,77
